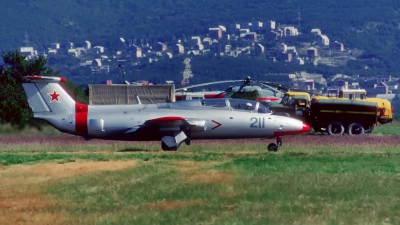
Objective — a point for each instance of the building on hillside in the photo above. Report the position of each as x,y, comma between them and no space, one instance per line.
252,36
98,49
381,88
342,84
259,48
291,50
282,48
244,31
207,41
234,26
223,29
298,61
52,52
256,26
167,55
159,47
316,31
335,45
215,33
195,40
73,52
228,49
134,51
383,78
287,57
27,51
310,84
97,63
270,25
194,52
272,59
81,51
55,45
98,66
273,34
354,85
198,47
322,40
312,52
88,45
178,49
290,31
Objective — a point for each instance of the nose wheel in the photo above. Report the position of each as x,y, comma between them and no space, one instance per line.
274,147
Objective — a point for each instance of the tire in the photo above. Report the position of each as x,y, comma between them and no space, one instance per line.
355,129
335,128
272,147
166,148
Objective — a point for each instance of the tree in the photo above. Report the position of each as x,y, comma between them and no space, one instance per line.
14,107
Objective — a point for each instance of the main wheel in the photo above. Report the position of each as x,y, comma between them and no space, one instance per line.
335,128
166,148
272,147
355,129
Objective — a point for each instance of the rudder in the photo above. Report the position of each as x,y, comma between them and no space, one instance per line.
45,95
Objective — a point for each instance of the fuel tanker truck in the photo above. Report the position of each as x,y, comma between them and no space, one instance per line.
351,113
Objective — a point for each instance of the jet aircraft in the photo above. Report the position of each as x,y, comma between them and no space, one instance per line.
172,123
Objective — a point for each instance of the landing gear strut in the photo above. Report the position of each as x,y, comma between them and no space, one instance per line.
274,147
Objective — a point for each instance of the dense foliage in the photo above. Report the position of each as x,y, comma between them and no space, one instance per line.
14,107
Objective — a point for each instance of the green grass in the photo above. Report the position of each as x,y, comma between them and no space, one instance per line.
388,129
223,183
264,189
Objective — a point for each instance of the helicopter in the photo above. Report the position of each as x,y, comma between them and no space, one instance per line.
249,89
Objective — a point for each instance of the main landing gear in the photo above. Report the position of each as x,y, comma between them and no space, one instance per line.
171,143
274,147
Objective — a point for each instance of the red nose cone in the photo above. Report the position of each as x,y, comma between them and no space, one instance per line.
306,128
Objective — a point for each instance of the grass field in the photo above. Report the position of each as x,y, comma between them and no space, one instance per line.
53,178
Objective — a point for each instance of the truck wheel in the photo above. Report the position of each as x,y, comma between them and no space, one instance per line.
335,128
355,129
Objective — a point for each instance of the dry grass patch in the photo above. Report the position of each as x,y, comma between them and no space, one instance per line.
208,177
22,200
200,172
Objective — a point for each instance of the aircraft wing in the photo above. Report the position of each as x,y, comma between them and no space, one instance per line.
173,123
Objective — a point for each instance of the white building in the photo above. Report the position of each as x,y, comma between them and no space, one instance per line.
323,40
27,51
88,45
55,45
195,40
98,49
316,31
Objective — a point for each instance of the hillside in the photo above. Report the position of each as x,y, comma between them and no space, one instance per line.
368,25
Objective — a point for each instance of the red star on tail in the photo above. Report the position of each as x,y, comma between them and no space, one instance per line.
54,96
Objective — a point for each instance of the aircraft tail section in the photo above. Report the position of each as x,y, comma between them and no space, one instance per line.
46,96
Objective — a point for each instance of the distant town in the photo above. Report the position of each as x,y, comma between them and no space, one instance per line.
249,35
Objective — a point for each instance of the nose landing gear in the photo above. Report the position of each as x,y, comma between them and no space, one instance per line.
274,147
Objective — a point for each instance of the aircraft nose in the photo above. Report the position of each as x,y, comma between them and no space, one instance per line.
291,130
306,127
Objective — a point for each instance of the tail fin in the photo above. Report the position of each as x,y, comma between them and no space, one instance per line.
46,96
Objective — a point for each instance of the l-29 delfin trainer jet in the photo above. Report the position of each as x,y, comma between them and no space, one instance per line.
172,123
